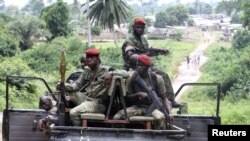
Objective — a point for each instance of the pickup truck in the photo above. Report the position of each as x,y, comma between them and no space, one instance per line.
20,124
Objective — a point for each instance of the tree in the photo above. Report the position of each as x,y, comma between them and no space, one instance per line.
34,7
12,11
75,14
241,39
56,17
229,6
106,13
161,20
25,28
95,30
207,9
180,12
9,44
246,14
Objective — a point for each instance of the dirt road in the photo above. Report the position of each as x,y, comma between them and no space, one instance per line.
189,71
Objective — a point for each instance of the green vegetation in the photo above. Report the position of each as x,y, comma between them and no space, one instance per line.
230,67
42,60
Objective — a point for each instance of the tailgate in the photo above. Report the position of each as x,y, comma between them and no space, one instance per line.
111,134
18,125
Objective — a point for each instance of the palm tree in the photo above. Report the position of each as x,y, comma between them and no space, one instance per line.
106,13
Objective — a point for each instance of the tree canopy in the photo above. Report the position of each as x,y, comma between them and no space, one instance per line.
109,12
56,17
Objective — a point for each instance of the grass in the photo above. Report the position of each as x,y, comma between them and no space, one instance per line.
236,112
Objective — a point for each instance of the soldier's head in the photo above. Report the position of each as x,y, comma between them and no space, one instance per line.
92,58
143,64
45,103
139,26
133,59
83,61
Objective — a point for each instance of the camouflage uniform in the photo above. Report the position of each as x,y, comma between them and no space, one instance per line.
93,93
141,109
142,46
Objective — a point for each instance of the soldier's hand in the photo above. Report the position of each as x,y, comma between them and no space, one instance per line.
58,86
143,96
40,124
107,79
165,51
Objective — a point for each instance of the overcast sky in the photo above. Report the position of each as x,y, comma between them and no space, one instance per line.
21,3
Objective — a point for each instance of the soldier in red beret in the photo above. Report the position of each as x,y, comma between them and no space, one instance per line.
136,43
138,100
92,97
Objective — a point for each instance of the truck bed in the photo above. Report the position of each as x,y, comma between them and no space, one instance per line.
186,128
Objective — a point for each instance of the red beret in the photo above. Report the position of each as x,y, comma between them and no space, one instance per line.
143,58
139,20
92,52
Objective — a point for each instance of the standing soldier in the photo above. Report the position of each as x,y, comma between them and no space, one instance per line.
136,43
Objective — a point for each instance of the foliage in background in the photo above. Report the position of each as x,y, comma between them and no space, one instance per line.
161,20
34,7
8,43
24,29
56,17
96,30
241,39
107,13
180,12
229,67
176,35
246,14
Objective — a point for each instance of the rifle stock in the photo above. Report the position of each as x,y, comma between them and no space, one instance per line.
153,96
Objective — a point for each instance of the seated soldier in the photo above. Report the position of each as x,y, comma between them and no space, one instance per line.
91,84
138,101
76,97
49,106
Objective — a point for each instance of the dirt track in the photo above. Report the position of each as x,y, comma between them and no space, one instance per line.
190,72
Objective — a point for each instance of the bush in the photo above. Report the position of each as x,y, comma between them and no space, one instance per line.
190,22
241,39
8,43
177,35
95,30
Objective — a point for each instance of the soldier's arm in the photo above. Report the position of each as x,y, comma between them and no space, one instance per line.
70,87
157,51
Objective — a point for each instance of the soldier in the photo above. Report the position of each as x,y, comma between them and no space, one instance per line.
49,106
136,43
91,85
137,99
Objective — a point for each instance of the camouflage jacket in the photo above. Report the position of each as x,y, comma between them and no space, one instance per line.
140,46
90,82
154,82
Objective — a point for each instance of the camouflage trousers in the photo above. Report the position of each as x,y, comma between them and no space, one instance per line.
85,107
143,111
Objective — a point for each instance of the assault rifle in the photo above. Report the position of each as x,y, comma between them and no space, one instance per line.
153,96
